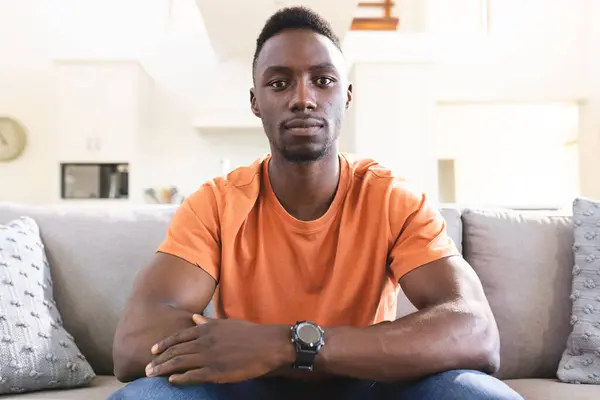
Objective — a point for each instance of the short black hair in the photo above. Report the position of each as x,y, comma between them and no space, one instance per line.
297,17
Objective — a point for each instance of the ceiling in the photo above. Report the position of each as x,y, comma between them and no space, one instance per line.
233,25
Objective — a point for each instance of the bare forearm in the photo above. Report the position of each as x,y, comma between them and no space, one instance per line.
136,336
443,337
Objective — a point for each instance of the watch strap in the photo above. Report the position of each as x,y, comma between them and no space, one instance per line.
305,360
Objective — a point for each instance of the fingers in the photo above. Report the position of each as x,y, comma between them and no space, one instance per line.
207,374
175,365
200,319
192,376
182,336
178,358
174,351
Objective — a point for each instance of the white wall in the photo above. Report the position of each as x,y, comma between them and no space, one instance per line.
25,85
510,154
590,114
175,52
393,120
533,53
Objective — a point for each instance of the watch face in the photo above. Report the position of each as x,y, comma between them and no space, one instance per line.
308,333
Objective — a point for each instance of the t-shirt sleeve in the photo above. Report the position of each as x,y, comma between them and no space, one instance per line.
194,231
418,231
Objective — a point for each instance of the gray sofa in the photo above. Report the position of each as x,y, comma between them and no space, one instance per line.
524,260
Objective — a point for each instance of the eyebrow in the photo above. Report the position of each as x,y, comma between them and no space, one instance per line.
281,68
323,66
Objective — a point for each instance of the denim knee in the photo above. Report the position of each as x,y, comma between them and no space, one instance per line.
460,385
160,388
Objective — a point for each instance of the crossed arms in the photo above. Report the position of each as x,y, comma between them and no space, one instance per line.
162,333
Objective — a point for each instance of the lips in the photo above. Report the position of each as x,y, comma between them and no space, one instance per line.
303,123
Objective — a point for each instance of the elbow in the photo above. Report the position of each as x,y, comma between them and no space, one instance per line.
121,368
123,371
488,360
126,376
126,372
125,367
487,357
122,375
477,346
492,358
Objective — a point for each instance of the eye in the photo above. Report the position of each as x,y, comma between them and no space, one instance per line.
324,81
279,84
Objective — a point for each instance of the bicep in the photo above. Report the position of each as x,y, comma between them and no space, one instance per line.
166,294
181,277
170,281
445,280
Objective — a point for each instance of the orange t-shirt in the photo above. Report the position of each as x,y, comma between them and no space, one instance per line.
341,269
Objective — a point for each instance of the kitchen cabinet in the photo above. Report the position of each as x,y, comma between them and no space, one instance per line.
100,109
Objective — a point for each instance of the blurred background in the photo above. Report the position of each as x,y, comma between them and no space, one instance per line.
121,102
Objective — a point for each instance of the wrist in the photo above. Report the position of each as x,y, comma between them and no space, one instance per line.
344,345
286,353
321,360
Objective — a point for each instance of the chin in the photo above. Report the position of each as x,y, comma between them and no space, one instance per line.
305,155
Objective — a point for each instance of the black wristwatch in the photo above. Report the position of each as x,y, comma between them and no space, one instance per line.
308,338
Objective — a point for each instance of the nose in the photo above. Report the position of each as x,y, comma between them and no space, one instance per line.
303,97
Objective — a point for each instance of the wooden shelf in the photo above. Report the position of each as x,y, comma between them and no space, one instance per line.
386,22
375,24
382,4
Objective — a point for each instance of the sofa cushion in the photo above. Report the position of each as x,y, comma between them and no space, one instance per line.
581,359
524,261
95,255
552,389
100,389
452,216
35,349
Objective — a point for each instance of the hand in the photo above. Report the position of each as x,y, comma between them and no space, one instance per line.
227,350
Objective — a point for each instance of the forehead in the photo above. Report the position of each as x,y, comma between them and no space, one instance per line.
298,49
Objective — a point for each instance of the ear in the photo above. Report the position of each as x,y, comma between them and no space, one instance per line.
349,96
253,105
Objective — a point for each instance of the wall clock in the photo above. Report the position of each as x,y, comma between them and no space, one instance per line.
13,139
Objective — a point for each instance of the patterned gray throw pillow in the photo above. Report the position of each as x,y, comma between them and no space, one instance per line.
580,362
36,352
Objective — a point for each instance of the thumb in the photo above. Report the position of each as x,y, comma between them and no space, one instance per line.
200,319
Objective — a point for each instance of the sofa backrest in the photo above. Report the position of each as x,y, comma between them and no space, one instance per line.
95,254
525,262
94,257
523,259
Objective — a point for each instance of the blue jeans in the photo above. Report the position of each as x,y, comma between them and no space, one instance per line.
451,385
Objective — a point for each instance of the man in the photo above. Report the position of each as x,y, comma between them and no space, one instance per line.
307,248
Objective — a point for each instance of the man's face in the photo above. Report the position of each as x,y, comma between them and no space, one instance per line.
300,93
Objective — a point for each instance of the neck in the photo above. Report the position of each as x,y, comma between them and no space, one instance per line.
305,190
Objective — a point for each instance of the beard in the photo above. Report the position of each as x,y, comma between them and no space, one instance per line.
311,151
309,154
